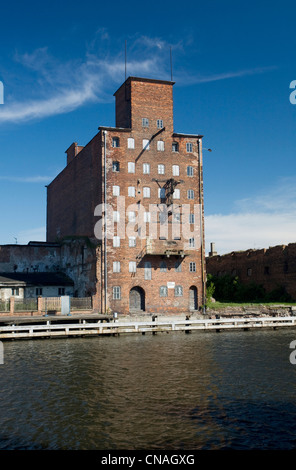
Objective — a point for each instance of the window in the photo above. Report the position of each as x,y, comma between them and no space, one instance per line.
191,243
145,122
15,291
130,143
131,242
38,290
177,217
190,194
146,143
190,171
163,291
115,166
191,218
161,169
132,191
189,147
147,216
116,190
178,291
116,266
178,266
266,270
146,168
147,269
160,145
163,217
161,193
61,291
132,267
175,147
163,267
116,241
132,216
131,167
192,267
159,123
249,272
115,216
146,192
116,293
176,193
176,170
115,141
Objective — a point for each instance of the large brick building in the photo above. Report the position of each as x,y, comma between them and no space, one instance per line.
272,267
136,189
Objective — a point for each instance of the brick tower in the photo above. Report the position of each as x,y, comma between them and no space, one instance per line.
137,190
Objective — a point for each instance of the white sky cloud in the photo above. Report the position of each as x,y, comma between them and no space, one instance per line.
265,220
55,87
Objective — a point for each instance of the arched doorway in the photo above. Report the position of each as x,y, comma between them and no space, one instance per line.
193,298
137,299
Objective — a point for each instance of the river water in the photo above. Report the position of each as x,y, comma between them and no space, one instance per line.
204,390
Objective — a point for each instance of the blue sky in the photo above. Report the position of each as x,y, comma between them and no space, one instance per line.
233,63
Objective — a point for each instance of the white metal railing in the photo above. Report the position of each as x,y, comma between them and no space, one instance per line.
50,328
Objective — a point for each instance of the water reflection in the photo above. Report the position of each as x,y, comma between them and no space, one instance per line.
168,391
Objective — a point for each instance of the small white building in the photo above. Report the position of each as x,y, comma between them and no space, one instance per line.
32,285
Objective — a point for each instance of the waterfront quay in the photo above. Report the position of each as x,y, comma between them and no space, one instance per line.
79,325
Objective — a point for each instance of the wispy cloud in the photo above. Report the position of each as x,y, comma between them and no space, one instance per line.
52,87
264,220
27,179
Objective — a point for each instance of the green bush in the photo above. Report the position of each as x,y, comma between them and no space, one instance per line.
230,289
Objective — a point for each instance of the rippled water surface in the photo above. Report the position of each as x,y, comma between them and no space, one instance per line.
232,390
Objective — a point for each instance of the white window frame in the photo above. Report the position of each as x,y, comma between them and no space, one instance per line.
189,147
146,191
176,193
159,123
115,142
116,293
190,193
191,218
192,267
131,167
147,217
116,216
116,241
132,266
131,216
131,242
190,171
115,166
116,266
191,242
175,147
130,143
145,122
178,291
161,193
163,291
146,144
161,169
160,146
131,191
176,170
146,168
116,190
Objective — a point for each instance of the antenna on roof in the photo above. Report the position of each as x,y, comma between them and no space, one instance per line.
171,60
125,63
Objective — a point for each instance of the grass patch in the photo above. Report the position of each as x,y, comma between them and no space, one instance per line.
220,305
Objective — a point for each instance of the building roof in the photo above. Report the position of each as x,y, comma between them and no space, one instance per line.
150,80
35,279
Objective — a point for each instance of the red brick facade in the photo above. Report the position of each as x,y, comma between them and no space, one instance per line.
147,164
273,267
